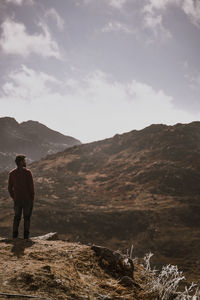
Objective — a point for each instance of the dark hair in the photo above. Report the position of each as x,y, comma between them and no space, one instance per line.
19,158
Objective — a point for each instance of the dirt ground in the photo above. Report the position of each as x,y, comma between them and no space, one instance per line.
58,270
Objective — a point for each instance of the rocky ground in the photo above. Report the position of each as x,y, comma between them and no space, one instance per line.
49,269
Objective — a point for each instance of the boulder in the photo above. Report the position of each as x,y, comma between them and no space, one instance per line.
113,262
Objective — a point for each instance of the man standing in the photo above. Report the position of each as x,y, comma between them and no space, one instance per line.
21,189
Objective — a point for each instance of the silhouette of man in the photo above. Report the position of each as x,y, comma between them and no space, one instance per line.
21,190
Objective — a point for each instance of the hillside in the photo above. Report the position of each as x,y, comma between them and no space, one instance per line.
53,269
32,138
60,270
140,188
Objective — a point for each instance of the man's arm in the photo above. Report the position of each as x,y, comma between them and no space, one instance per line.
10,186
31,185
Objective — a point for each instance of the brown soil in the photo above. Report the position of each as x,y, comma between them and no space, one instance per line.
59,270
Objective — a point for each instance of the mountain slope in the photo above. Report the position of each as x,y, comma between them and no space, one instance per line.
31,138
139,188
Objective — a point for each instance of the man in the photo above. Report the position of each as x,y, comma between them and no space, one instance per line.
21,190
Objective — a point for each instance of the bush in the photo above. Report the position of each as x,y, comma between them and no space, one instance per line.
166,282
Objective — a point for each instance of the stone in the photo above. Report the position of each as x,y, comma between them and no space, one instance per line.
113,262
52,236
129,282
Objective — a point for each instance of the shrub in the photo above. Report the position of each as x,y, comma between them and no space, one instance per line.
166,282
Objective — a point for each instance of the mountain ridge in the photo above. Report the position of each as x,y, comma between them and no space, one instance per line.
32,138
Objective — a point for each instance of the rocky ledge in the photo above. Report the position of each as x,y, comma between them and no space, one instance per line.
48,268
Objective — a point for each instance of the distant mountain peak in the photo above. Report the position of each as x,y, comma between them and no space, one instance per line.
32,138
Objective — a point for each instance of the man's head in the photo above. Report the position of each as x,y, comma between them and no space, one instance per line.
20,160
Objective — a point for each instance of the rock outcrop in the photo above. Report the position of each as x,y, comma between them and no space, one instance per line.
114,263
44,269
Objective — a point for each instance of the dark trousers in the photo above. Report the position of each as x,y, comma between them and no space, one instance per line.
26,207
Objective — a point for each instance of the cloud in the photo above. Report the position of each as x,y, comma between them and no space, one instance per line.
192,76
154,23
27,84
16,40
154,10
92,108
153,19
20,2
117,3
56,17
114,26
194,81
192,9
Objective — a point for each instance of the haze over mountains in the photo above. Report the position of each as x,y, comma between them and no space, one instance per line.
139,188
32,138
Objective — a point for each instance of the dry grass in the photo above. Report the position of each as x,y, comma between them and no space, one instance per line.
57,270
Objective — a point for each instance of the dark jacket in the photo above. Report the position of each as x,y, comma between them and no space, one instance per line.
20,185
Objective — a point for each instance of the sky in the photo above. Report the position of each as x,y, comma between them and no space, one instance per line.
95,68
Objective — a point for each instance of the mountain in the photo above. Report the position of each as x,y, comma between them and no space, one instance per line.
32,138
140,188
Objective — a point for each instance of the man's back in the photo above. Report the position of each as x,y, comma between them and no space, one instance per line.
20,185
